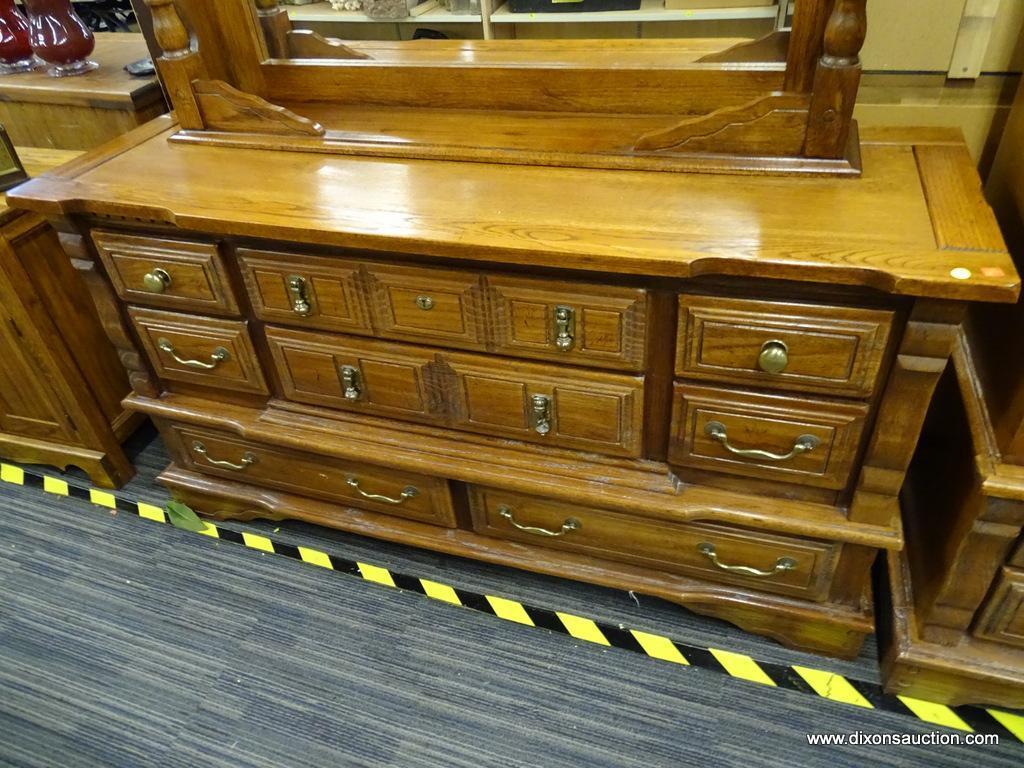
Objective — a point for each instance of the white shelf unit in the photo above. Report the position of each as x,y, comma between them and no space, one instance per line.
649,11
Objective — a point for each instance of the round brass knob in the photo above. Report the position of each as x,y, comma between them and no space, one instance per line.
156,281
774,356
424,302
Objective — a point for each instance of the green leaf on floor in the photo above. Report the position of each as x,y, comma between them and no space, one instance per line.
181,516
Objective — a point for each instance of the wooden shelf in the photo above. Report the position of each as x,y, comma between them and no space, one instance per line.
324,12
650,10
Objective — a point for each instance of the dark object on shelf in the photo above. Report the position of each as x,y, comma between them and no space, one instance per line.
571,6
141,68
12,172
107,15
428,34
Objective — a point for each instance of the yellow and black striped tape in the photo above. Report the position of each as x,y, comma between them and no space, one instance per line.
827,685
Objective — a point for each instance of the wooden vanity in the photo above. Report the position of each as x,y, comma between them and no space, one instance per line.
699,386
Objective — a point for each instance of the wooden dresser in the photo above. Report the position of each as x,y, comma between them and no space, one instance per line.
706,388
61,383
955,627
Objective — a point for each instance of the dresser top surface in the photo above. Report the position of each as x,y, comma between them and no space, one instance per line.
916,223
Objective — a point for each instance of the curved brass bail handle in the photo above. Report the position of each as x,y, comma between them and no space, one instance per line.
571,524
407,493
248,458
803,444
781,565
220,354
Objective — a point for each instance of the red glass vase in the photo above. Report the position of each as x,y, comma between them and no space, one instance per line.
59,37
15,48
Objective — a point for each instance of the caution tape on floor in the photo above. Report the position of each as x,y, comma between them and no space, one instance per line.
824,684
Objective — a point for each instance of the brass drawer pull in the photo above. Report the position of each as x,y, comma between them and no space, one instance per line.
540,414
297,293
565,328
803,444
781,565
407,493
774,356
248,458
350,382
157,281
571,524
424,302
219,356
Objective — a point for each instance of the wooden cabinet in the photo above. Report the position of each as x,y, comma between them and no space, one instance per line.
666,383
61,383
1003,617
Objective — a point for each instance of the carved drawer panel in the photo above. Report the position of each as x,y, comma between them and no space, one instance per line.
577,323
578,409
174,274
200,350
793,439
305,290
435,306
367,486
379,378
769,562
1002,618
568,407
782,345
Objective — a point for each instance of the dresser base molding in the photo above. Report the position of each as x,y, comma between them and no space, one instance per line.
828,628
107,470
970,672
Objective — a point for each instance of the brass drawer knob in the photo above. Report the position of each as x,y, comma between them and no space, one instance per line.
298,295
219,355
774,356
248,458
571,524
782,565
157,281
350,382
803,444
407,493
424,302
565,328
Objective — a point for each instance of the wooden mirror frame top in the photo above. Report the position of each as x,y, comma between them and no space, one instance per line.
782,104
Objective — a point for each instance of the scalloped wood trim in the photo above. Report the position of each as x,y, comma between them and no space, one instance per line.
703,129
308,44
225,108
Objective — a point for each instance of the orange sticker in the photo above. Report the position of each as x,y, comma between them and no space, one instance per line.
993,272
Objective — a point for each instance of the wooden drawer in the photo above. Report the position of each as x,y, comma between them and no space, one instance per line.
1002,618
305,290
802,347
578,323
568,408
367,486
793,439
200,350
173,274
791,566
436,306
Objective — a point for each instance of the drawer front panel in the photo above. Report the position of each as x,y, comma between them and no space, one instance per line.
1002,618
796,440
434,306
367,486
782,346
372,377
319,293
799,567
602,326
200,350
173,274
570,408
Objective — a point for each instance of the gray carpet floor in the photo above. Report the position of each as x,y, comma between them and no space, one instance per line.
127,643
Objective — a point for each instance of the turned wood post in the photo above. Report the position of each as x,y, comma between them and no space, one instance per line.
179,64
276,26
836,80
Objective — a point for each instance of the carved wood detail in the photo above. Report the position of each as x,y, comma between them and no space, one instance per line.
732,129
771,47
179,64
225,108
276,25
307,44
